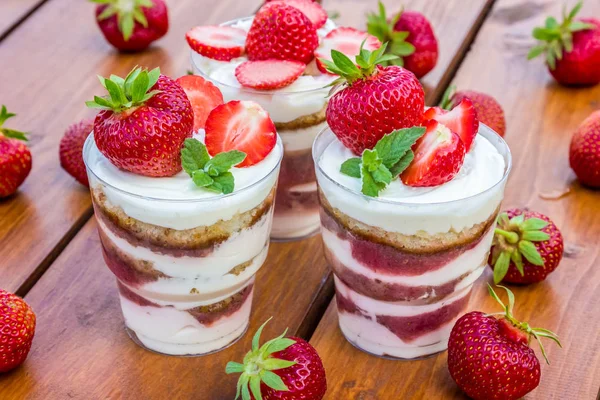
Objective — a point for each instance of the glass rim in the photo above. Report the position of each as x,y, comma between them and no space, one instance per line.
87,148
487,131
249,90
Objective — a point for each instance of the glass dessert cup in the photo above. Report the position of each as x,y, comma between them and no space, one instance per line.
404,271
299,115
185,267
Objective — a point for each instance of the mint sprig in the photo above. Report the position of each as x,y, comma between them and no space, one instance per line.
9,133
210,173
389,158
127,12
379,26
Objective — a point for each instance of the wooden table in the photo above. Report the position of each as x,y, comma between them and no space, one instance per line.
50,252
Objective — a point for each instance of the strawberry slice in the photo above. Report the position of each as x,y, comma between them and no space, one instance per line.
439,155
345,40
217,42
462,119
268,74
203,95
313,11
243,126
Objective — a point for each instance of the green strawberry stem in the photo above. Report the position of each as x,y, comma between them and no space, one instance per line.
6,132
554,38
446,103
536,333
128,12
258,366
128,93
379,26
514,239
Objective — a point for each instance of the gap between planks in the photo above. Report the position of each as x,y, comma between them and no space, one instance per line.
23,18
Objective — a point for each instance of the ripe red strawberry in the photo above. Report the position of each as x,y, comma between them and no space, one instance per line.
571,49
490,359
222,43
375,101
527,247
203,95
439,155
345,40
243,126
462,119
71,150
282,32
584,154
488,110
284,368
17,329
132,25
313,11
143,122
268,74
411,38
15,157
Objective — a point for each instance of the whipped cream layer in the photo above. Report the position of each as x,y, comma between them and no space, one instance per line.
470,198
301,139
307,95
176,202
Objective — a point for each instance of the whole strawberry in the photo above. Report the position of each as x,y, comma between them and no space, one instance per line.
282,32
17,328
490,359
71,150
488,110
411,39
571,49
143,122
375,100
584,154
15,157
284,368
132,25
527,247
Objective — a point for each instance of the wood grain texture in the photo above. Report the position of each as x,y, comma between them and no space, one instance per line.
50,75
541,117
12,12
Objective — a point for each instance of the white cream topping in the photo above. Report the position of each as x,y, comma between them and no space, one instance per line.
408,210
307,95
301,139
176,202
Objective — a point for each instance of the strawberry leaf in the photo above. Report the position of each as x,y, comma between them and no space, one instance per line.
275,364
255,387
532,224
279,344
273,381
501,266
233,367
9,133
530,252
535,236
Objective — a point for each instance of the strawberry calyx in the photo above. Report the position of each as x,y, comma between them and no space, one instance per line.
128,12
514,239
520,332
6,132
128,93
379,26
447,103
258,366
557,38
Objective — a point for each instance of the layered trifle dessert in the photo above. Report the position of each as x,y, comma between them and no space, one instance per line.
183,216
272,58
409,198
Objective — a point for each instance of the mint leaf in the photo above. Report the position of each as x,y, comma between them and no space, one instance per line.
223,183
194,156
382,175
402,164
369,186
351,167
371,160
222,162
202,179
393,146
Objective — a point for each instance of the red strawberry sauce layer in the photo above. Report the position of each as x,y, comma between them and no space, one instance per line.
388,260
206,315
409,328
297,168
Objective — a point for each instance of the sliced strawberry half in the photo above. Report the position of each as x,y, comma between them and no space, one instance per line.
462,119
268,74
222,43
243,126
313,11
203,95
439,155
344,40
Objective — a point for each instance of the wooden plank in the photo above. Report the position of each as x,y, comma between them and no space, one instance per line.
13,12
540,117
48,85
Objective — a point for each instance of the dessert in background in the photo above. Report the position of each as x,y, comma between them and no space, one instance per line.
584,153
183,216
272,59
408,206
15,157
17,329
